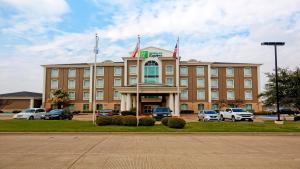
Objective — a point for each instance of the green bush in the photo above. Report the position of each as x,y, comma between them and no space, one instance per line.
176,122
103,120
296,118
129,120
146,121
165,120
128,113
116,120
87,111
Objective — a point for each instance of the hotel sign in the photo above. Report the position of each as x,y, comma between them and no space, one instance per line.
146,54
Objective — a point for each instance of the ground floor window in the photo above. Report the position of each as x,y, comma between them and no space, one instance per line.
71,107
231,106
184,107
215,107
117,107
99,106
248,106
86,107
200,107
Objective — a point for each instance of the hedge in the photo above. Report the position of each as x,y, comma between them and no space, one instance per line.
165,120
116,120
146,121
127,113
129,120
296,118
176,122
103,120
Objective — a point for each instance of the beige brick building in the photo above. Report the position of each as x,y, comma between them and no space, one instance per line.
202,85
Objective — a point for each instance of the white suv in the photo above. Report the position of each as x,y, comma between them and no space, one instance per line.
30,114
236,114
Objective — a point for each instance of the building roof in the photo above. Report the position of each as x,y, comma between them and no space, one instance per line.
21,94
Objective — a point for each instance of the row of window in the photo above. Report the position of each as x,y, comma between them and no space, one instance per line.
86,72
99,95
86,83
215,95
86,107
214,106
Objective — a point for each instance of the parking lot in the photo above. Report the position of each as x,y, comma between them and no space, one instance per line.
148,151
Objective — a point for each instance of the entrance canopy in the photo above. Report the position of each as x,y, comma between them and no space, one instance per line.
154,88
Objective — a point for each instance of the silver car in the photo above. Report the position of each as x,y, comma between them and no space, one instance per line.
208,115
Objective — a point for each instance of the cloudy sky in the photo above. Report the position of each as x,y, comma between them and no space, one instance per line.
37,32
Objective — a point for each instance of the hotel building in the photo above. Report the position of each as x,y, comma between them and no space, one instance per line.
202,85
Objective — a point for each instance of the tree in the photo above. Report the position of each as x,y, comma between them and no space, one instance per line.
288,88
60,97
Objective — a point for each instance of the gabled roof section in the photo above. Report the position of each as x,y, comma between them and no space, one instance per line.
21,94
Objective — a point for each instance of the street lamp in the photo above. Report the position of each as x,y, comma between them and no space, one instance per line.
275,44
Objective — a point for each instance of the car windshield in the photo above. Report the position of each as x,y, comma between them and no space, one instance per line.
210,112
55,112
238,110
29,111
162,110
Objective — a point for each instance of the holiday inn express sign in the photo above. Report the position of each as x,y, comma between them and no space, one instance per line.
146,54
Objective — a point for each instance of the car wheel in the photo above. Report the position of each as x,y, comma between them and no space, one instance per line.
222,118
233,119
31,118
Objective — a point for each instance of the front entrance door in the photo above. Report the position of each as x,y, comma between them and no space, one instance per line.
147,108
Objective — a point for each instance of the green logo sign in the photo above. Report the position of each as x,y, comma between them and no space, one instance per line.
144,54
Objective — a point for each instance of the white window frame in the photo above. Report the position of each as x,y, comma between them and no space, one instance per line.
69,84
200,73
250,92
86,87
185,73
184,97
217,96
74,95
116,97
130,80
199,85
70,72
198,98
227,95
172,70
227,72
227,86
83,94
51,84
184,79
132,70
100,86
99,71
217,83
54,72
184,104
212,72
167,81
245,72
245,86
101,98
86,72
116,79
116,73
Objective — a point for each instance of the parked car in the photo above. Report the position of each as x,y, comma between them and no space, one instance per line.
161,112
208,115
30,114
104,112
236,114
58,114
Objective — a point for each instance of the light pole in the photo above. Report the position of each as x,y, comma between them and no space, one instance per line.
275,44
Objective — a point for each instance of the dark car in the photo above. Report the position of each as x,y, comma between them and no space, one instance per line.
58,114
161,112
288,111
104,112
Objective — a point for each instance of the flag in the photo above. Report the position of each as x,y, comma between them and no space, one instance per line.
135,50
175,50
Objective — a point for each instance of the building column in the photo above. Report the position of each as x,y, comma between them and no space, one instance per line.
128,102
171,103
177,104
31,103
134,101
123,103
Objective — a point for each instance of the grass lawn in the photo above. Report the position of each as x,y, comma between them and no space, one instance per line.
86,126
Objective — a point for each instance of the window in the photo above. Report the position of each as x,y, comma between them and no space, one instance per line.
99,106
200,107
247,72
86,95
71,107
248,95
132,70
214,83
169,70
72,72
214,95
99,95
151,73
184,71
117,95
86,107
86,83
54,84
132,81
100,71
71,84
200,82
86,72
214,72
117,107
248,83
184,82
200,95
184,95
229,72
169,81
200,71
230,95
71,95
215,107
99,83
117,71
230,83
184,107
54,72
248,107
117,82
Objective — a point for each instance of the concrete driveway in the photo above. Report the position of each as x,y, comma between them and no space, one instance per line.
168,151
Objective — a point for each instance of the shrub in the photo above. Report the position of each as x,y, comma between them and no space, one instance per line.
165,120
87,111
176,122
186,111
116,120
129,120
76,112
128,113
116,112
103,120
296,118
146,121
16,111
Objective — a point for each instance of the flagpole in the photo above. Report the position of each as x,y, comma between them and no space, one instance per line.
94,87
178,90
137,83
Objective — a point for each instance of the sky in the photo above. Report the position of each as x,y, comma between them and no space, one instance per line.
39,32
